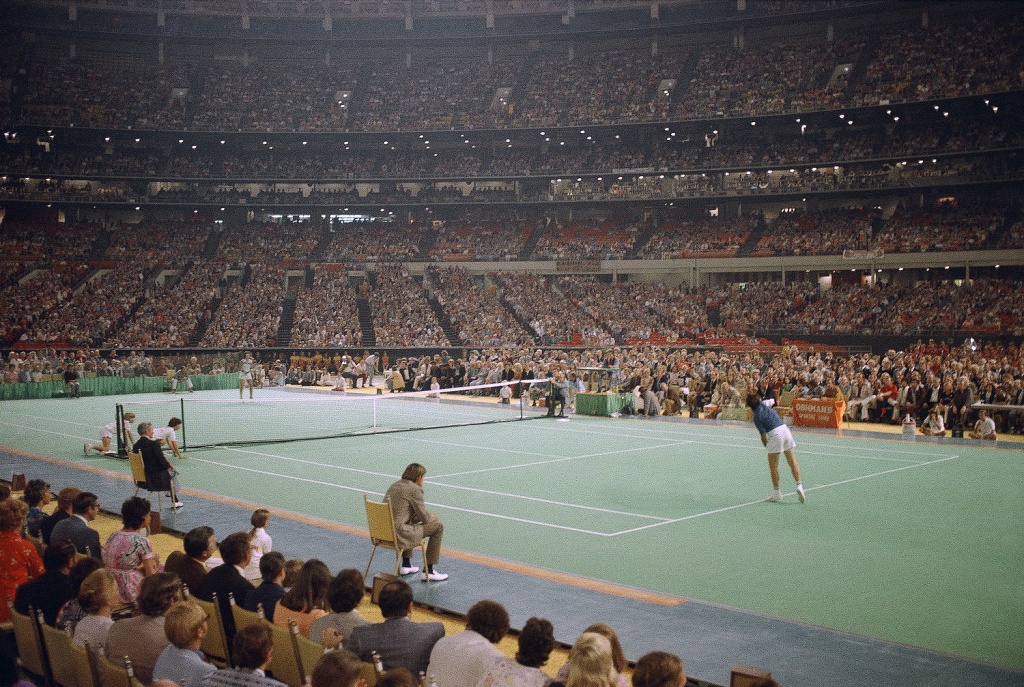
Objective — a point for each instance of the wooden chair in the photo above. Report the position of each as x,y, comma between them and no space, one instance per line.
381,522
244,618
58,650
283,663
29,641
141,482
215,643
307,651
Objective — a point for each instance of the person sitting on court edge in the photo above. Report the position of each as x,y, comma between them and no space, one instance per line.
159,471
462,659
190,565
413,522
398,641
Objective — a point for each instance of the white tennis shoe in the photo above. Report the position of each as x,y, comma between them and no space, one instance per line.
408,571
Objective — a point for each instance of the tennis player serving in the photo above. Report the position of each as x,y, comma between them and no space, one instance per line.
777,438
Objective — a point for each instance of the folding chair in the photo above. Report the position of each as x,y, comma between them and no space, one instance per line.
215,643
62,662
307,651
283,662
381,523
142,482
244,618
31,651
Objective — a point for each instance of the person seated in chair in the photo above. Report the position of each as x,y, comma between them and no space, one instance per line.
160,474
558,394
72,387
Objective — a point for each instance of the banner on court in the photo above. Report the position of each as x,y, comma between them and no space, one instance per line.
818,412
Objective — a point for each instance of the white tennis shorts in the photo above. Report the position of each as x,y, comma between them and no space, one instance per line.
780,439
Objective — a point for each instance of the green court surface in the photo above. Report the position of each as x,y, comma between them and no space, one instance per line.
912,542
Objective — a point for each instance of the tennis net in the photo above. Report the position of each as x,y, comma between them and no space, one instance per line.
282,415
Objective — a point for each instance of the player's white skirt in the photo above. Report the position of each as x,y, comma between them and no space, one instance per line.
780,439
245,376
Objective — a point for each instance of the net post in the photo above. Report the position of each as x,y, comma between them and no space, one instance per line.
184,441
122,445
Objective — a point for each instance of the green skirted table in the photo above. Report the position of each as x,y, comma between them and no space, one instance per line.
602,404
111,386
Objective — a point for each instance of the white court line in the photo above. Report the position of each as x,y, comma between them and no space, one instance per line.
433,482
296,460
560,459
51,418
701,438
377,493
548,501
751,503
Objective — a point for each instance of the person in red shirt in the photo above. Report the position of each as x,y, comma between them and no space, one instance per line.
886,399
19,560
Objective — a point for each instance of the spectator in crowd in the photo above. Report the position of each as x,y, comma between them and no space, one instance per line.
182,661
260,543
536,642
72,612
75,529
659,669
590,663
227,579
21,560
338,668
306,601
984,428
142,638
344,595
398,641
37,494
251,649
619,662
128,554
271,589
50,590
98,596
190,565
461,660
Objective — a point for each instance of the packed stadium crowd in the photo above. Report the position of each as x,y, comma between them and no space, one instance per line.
280,93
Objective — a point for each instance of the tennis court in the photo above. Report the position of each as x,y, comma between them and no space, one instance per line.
916,543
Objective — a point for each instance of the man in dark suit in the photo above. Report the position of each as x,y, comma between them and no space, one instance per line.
190,565
398,641
413,522
159,471
228,579
65,502
76,529
51,590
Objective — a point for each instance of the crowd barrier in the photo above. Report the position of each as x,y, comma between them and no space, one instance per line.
110,386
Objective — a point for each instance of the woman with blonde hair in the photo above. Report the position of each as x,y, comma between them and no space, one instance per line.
590,663
619,660
98,596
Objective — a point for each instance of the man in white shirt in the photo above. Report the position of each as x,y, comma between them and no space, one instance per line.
462,659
